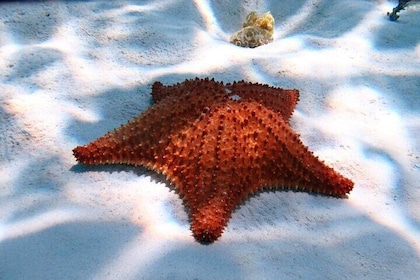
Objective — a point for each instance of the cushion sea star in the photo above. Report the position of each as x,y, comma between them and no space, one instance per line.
218,144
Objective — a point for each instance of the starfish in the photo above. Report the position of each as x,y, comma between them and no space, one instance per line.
217,144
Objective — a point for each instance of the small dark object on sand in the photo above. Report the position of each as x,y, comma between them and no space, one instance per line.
401,5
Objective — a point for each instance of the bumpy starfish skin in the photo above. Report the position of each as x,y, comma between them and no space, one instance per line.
218,144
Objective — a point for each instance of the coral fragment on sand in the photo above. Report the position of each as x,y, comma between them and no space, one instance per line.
256,31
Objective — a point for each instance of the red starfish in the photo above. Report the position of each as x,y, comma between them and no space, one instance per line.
217,144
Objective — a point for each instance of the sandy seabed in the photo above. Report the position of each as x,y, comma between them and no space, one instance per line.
72,70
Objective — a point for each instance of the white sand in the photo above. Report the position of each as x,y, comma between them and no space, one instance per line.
71,71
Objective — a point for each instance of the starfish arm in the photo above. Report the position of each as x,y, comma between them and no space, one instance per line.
209,219
194,86
282,101
288,164
143,140
132,143
268,153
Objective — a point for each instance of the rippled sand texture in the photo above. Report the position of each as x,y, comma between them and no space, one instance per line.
72,70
